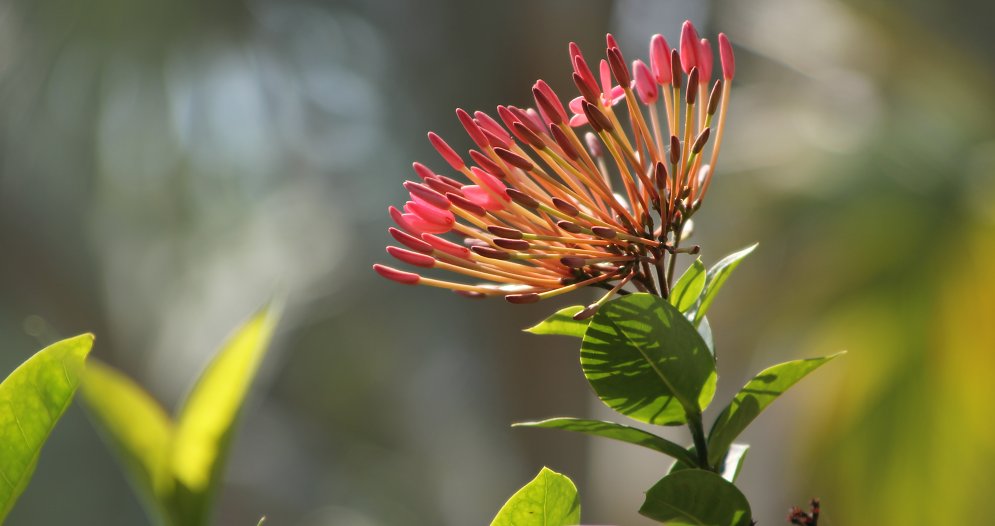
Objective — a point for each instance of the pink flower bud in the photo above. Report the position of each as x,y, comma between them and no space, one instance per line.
446,151
471,128
689,46
406,278
645,82
705,61
448,247
411,258
549,103
728,59
660,60
410,241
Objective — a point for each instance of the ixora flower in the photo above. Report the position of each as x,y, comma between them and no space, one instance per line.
544,211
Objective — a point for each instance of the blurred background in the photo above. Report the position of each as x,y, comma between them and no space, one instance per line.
167,167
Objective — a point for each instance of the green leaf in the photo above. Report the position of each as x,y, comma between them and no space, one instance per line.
753,398
549,500
688,288
207,419
646,361
716,277
177,466
32,399
617,432
696,497
731,466
137,427
562,323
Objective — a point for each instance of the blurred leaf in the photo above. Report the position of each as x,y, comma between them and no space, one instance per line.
716,277
136,426
617,432
646,361
179,465
32,399
753,398
549,500
688,288
207,419
696,497
733,463
562,323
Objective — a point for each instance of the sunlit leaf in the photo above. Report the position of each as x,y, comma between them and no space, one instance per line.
206,421
717,276
617,432
549,500
688,288
562,323
645,360
698,498
135,426
730,468
705,330
733,463
753,398
32,399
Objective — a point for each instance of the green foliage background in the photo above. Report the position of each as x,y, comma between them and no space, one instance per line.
167,166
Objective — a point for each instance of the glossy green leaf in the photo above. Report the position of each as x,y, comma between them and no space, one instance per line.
717,277
696,497
688,288
646,361
753,398
617,432
32,399
206,421
549,500
562,323
134,425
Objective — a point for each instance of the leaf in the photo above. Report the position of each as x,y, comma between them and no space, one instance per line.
549,500
731,466
696,497
134,425
32,399
705,330
688,288
646,361
206,421
617,432
562,323
733,463
753,398
177,466
716,277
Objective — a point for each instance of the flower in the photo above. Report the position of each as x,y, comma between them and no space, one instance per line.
543,212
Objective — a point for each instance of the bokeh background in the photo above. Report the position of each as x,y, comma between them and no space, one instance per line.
166,167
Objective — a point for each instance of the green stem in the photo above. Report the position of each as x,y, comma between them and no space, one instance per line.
698,435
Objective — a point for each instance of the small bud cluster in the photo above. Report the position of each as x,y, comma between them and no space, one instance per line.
545,210
810,518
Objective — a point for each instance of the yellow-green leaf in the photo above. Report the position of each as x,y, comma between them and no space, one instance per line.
549,500
562,323
205,423
688,288
136,426
32,399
